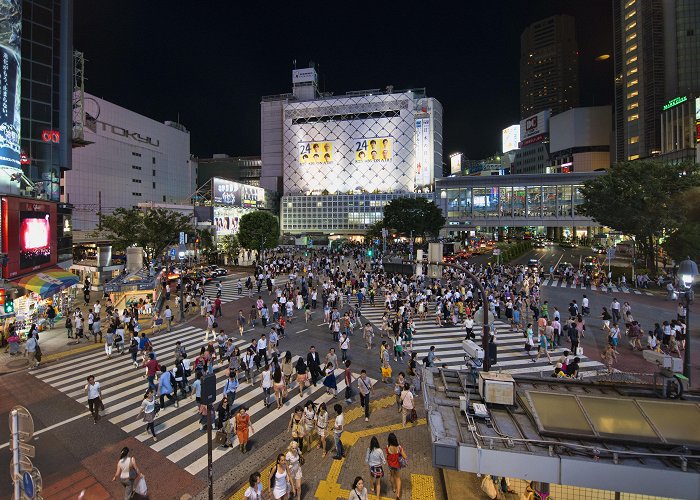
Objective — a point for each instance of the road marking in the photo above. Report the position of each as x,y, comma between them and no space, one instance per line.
51,427
302,331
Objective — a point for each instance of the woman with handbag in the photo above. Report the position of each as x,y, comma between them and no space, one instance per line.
148,412
408,407
322,426
375,459
294,460
396,459
296,425
127,472
243,427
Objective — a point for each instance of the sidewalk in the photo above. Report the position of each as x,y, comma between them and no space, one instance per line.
328,479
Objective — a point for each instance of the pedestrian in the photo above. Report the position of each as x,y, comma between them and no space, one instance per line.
398,387
167,387
329,381
609,357
230,388
294,459
396,460
359,491
313,362
152,368
241,322
338,427
109,341
302,376
127,472
31,350
322,426
134,350
266,385
364,386
368,334
279,479
278,386
255,486
347,374
375,460
243,427
69,326
94,397
542,346
148,412
296,425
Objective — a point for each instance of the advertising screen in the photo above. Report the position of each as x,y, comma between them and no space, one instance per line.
10,82
372,149
511,138
235,194
423,160
29,235
535,125
456,163
316,153
227,220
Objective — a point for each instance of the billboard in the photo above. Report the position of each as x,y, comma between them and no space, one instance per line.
235,194
10,82
304,75
456,163
29,235
535,125
227,220
316,153
372,149
511,138
424,162
697,119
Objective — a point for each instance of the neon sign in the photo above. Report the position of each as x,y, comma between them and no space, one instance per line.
51,136
675,102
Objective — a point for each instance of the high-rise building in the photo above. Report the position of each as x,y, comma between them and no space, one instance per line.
549,66
657,58
244,169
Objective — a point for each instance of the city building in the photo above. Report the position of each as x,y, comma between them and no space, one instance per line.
340,159
580,140
243,169
680,129
532,155
657,58
130,159
549,66
541,204
497,164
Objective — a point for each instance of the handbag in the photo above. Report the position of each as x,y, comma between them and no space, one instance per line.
376,471
403,461
301,459
579,351
414,415
488,487
220,437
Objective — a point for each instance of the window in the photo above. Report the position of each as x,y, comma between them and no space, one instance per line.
631,25
634,139
163,198
632,71
154,185
631,60
154,173
632,105
633,117
154,160
138,181
632,83
630,37
633,157
133,153
632,94
631,48
630,3
630,14
136,194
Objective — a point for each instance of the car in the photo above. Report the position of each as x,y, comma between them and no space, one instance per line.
590,260
533,263
539,244
567,244
562,267
599,249
220,271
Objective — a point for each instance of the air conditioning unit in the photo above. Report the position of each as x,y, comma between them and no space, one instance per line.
497,388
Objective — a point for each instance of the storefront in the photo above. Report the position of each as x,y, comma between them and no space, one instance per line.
141,288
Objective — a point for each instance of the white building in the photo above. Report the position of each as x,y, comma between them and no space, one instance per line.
339,159
131,160
580,140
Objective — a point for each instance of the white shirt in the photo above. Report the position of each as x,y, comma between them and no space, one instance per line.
93,390
266,379
262,344
584,302
339,424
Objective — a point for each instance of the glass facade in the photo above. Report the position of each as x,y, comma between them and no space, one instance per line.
348,214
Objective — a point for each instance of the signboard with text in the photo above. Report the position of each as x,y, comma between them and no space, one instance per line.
535,125
235,194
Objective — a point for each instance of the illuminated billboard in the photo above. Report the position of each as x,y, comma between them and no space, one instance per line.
511,138
697,119
534,128
311,153
29,235
227,220
372,149
424,164
235,194
456,163
10,82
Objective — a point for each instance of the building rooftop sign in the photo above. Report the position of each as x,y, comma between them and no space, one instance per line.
675,102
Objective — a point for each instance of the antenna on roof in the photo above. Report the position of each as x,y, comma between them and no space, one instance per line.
294,62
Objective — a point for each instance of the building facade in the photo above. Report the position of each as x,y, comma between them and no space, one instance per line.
350,149
580,140
680,129
243,169
549,66
532,155
131,159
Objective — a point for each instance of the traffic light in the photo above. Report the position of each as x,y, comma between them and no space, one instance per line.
9,306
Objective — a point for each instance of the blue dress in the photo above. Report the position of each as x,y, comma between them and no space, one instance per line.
329,381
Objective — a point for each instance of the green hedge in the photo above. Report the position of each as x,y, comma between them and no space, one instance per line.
511,251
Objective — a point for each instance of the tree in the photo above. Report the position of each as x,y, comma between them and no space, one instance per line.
684,242
259,228
374,231
229,246
206,242
640,198
419,215
153,229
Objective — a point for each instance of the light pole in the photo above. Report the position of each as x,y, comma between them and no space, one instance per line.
687,270
485,336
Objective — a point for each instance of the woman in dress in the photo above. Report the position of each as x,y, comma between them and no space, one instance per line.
329,381
322,426
279,479
375,460
287,371
309,422
394,456
127,472
302,375
242,428
398,387
296,425
148,412
278,386
293,457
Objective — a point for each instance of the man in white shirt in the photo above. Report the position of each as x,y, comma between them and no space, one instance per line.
262,348
92,389
168,313
584,306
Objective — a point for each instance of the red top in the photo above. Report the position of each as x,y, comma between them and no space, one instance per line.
152,366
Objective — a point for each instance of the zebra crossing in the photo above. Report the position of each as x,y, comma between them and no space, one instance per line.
229,290
179,437
511,356
560,283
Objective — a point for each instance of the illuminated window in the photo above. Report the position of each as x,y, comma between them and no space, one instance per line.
634,140
633,117
630,3
632,94
631,48
630,37
631,25
630,14
631,60
633,157
633,105
632,83
632,71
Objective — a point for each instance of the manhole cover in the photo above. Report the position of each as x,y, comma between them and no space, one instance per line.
18,363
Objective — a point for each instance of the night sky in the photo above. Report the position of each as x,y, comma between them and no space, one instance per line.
212,61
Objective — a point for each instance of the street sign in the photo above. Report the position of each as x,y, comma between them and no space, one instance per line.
25,464
25,449
28,485
25,423
611,253
497,251
183,239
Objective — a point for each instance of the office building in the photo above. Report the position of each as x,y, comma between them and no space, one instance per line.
340,159
532,155
657,58
680,129
549,66
243,169
580,140
130,159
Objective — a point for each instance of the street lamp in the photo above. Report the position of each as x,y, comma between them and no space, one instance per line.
486,334
687,270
